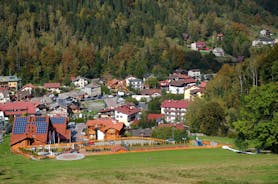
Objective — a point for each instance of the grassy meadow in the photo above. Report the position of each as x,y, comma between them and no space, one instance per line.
180,166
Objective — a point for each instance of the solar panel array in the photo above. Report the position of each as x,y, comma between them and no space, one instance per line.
41,127
56,120
20,125
40,118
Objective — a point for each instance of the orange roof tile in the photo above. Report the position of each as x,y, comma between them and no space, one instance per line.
105,124
175,104
127,109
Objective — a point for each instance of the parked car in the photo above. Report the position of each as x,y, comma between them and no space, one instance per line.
170,141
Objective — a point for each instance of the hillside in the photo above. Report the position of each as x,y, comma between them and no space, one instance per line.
52,40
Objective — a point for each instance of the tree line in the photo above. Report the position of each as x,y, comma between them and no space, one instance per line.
53,40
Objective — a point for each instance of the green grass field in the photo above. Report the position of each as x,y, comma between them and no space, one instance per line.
181,166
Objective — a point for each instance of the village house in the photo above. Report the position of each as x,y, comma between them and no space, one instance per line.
93,89
263,41
11,82
52,87
177,87
39,130
106,113
104,129
116,85
191,92
164,84
147,94
195,74
174,110
4,95
134,83
28,87
80,82
197,46
19,108
126,114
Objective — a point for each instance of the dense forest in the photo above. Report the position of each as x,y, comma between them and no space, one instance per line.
52,40
242,102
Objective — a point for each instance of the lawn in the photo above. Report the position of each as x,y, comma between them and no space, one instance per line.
180,166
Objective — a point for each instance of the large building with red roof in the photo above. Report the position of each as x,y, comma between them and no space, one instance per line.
174,110
126,114
19,108
39,130
104,129
52,87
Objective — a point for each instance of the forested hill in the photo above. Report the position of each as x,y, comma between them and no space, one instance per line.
53,40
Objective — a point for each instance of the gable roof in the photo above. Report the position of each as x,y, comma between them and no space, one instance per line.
105,124
60,125
37,127
52,85
127,109
19,107
29,127
175,104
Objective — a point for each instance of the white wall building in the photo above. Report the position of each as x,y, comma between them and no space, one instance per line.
126,114
174,110
195,73
80,82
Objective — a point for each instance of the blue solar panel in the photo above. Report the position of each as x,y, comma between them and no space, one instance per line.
41,127
21,119
57,120
19,127
40,118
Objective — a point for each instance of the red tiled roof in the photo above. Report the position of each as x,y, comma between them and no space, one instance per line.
155,116
175,104
105,124
52,85
61,128
127,109
19,107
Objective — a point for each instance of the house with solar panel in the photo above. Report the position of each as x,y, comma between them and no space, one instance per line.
39,130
